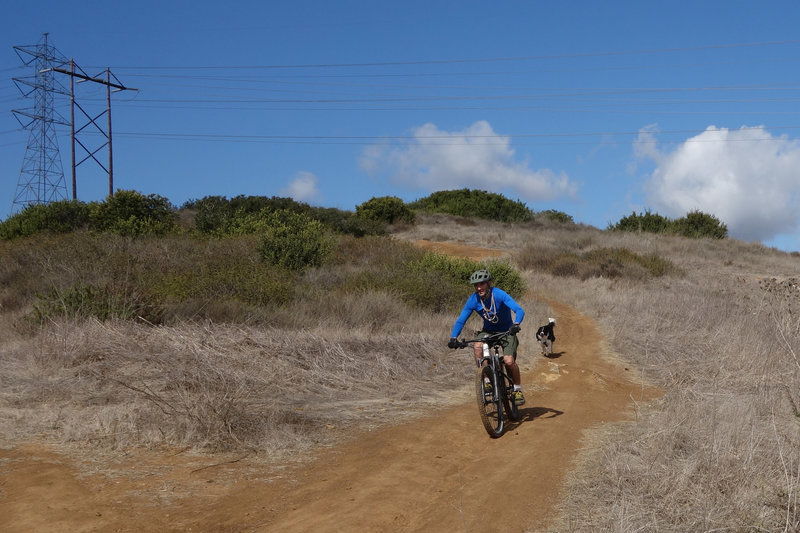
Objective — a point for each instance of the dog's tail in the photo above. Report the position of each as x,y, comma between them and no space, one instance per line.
552,320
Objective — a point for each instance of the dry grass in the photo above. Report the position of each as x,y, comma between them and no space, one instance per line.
219,387
720,451
722,447
352,364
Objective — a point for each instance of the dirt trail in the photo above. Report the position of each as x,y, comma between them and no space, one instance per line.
433,474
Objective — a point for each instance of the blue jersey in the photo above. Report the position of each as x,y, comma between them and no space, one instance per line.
495,311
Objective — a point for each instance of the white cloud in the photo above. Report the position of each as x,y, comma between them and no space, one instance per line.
303,187
476,157
747,178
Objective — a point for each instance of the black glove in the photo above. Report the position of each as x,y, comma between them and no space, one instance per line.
514,329
453,343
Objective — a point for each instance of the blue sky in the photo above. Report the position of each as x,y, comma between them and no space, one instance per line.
597,109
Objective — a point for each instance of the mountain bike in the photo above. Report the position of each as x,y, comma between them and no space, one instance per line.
497,397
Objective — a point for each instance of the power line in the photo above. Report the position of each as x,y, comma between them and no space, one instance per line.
476,60
450,140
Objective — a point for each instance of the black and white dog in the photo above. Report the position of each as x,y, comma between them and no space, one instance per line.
546,337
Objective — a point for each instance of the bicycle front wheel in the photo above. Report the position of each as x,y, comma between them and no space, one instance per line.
490,404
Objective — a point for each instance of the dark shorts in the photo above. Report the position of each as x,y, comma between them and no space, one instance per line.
509,344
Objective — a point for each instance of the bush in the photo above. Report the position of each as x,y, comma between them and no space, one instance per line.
647,221
216,215
609,263
102,302
247,223
56,217
360,227
695,225
436,271
388,209
226,280
699,225
557,216
506,277
213,213
345,222
254,204
131,213
473,203
294,241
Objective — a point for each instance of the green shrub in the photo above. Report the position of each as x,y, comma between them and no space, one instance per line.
647,221
430,291
694,225
474,203
102,302
557,216
506,277
435,281
388,209
360,227
247,223
700,225
218,216
254,204
213,213
294,241
456,269
131,213
56,217
456,272
234,279
346,222
426,280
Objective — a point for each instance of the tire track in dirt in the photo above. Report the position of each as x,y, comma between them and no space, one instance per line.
440,473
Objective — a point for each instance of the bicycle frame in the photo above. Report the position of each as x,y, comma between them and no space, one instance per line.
493,403
499,369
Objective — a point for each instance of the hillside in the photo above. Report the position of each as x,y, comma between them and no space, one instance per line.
715,341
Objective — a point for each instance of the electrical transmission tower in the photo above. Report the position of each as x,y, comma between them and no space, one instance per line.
41,179
91,120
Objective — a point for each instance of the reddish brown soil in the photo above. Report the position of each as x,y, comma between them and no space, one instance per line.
441,473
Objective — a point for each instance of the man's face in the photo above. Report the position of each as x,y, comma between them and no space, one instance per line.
482,288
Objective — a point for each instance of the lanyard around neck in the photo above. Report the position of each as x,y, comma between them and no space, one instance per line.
489,313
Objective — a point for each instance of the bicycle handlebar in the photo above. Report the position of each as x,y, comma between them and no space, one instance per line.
492,339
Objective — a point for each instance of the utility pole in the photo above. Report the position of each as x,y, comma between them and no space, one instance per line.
90,120
41,178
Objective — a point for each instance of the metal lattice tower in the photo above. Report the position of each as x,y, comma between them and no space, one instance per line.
41,179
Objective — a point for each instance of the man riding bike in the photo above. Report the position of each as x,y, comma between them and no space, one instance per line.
495,307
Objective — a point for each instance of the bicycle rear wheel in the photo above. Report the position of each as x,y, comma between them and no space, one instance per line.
508,397
489,402
510,406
